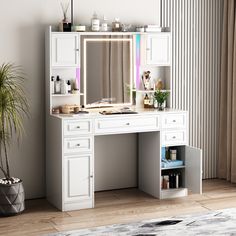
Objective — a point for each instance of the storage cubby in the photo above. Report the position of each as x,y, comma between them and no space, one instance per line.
189,172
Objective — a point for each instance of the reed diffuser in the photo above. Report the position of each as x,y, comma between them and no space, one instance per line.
65,25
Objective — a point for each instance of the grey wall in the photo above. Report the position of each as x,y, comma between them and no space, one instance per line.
22,25
196,37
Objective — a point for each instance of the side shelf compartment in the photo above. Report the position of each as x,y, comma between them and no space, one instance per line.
178,181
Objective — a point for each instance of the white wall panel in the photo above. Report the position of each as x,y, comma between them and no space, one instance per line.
196,36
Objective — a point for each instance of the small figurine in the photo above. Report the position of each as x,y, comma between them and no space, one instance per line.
159,85
146,77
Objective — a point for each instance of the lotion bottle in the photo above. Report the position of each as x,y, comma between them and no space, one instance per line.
58,85
64,87
104,24
68,86
95,23
52,85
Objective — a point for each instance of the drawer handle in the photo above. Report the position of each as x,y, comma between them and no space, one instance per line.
128,123
78,145
174,120
174,137
78,127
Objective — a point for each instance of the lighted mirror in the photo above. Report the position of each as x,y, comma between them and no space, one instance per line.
107,69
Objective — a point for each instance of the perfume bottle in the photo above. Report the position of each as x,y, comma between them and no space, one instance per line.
146,101
116,25
95,23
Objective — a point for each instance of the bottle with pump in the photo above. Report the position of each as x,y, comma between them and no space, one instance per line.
68,86
58,85
95,23
52,85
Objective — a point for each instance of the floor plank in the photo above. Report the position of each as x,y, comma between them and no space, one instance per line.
119,206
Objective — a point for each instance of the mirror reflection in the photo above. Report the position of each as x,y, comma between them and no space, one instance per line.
107,69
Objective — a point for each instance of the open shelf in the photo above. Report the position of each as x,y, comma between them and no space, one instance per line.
173,193
150,91
172,168
67,95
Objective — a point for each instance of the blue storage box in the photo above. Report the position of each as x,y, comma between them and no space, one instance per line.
169,163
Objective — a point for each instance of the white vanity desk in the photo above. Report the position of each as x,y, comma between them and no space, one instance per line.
71,155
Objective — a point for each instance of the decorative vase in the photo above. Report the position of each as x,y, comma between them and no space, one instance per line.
12,199
155,104
160,107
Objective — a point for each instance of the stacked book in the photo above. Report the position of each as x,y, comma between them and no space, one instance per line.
152,28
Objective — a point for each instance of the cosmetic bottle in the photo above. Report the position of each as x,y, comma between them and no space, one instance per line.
64,87
68,86
95,23
116,25
58,85
146,101
104,27
52,85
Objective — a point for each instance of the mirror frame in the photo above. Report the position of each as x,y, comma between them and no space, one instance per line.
85,41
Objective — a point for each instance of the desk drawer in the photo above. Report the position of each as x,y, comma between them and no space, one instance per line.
134,124
172,138
177,120
77,145
74,127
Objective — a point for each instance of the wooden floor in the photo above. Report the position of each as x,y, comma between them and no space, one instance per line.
118,206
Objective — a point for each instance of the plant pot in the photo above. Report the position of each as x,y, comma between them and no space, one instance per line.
12,199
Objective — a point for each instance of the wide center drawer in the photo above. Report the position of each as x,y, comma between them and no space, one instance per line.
172,138
77,145
109,125
177,120
74,127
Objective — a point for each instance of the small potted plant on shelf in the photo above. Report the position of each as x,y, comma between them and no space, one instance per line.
13,107
159,98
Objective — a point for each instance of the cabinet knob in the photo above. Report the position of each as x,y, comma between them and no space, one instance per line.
148,49
78,145
128,123
174,137
77,50
91,176
78,127
174,120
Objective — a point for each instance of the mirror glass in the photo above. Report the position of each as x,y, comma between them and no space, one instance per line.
107,69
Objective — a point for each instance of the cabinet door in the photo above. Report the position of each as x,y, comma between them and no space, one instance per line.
78,178
193,169
158,49
65,49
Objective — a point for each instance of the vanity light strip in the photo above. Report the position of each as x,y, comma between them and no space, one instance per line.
78,77
138,41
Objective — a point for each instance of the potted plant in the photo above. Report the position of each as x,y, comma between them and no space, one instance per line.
159,98
13,107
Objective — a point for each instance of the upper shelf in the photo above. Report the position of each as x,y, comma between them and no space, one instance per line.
67,95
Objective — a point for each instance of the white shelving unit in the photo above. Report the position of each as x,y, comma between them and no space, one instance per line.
156,58
70,139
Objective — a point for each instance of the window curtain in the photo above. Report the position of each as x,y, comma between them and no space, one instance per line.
116,73
227,122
